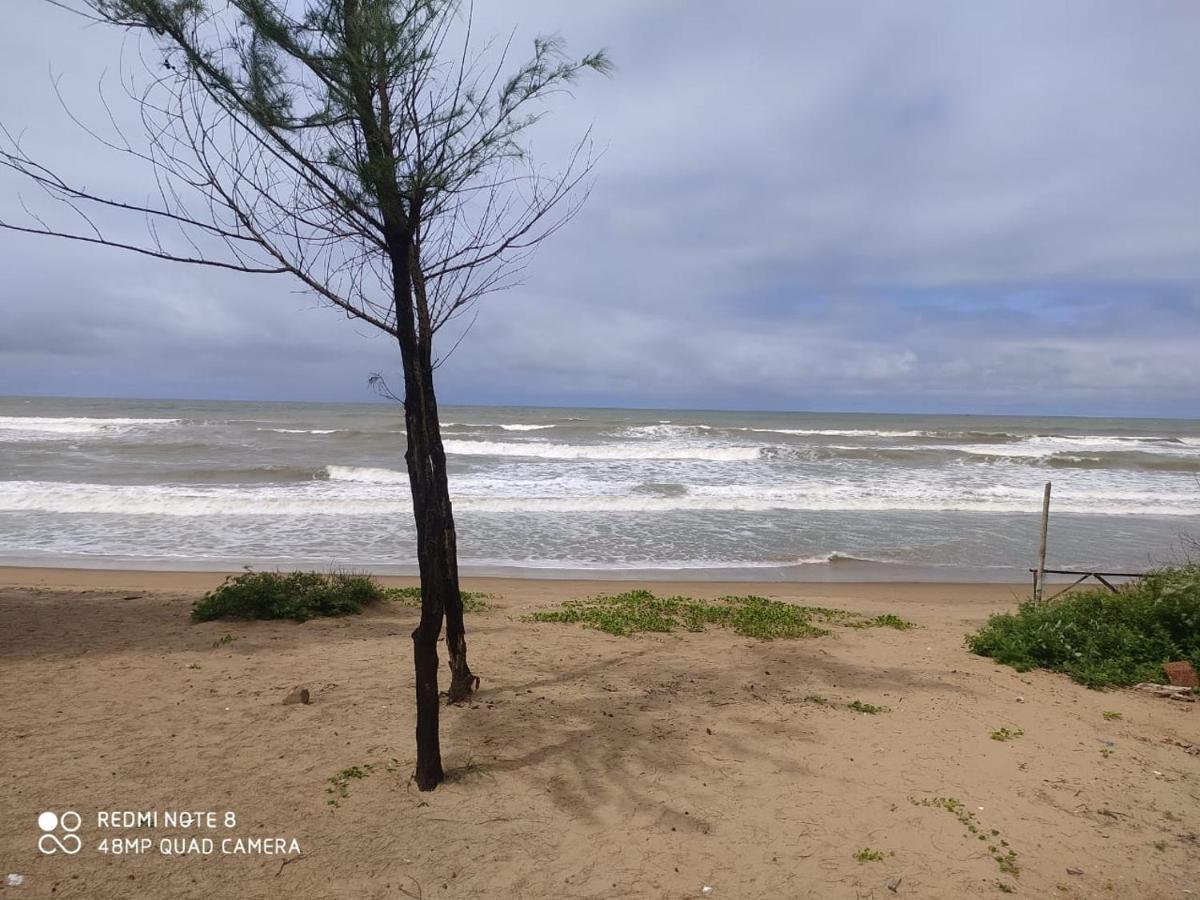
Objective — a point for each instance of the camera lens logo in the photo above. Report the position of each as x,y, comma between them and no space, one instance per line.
50,843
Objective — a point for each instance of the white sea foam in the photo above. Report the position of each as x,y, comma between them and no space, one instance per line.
668,565
364,492
833,557
665,429
660,450
839,432
47,427
313,498
516,426
302,430
1008,443
366,475
1046,446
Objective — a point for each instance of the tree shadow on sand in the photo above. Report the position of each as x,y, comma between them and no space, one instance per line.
613,727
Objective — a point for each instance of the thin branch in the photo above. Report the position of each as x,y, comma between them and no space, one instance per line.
145,251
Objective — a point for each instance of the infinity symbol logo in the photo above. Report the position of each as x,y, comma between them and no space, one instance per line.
50,843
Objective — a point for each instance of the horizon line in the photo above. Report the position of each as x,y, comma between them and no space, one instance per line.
594,408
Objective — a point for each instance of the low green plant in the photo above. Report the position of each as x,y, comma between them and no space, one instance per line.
869,708
224,639
1007,734
640,611
287,595
338,786
887,620
1005,888
1005,856
817,699
1099,638
1111,716
866,854
472,601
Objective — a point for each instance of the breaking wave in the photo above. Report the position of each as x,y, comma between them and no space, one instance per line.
365,475
664,450
302,430
509,427
44,427
351,491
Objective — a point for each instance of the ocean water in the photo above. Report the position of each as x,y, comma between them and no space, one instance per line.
644,493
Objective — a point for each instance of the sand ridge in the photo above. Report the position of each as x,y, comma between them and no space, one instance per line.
588,765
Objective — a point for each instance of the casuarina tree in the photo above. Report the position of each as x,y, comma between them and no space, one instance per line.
370,149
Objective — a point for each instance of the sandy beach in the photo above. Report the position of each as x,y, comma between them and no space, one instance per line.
589,766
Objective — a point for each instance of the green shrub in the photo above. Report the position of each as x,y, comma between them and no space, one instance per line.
640,610
287,595
1099,638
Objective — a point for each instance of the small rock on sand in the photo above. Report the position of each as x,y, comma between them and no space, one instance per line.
297,695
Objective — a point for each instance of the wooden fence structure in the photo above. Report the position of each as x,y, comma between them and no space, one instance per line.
1040,573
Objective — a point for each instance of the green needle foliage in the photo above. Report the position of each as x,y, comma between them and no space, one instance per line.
1099,638
640,610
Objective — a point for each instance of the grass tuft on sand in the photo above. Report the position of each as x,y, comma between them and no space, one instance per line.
869,709
472,601
1005,733
866,854
640,610
1099,638
338,786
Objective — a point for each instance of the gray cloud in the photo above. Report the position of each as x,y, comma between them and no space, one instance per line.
869,206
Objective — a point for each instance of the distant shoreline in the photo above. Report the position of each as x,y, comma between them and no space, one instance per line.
176,576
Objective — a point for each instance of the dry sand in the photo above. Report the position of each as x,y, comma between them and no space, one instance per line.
589,766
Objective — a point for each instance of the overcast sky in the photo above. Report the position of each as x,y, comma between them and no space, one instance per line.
974,207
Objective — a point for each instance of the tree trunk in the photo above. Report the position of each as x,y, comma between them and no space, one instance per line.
437,546
437,556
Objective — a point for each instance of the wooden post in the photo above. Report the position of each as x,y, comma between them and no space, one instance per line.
1040,579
